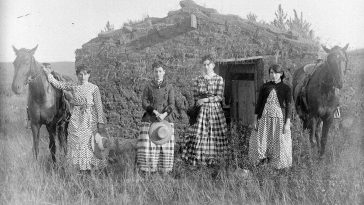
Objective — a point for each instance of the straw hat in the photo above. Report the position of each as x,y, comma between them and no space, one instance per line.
160,132
100,146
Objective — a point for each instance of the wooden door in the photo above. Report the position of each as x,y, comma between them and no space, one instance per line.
243,101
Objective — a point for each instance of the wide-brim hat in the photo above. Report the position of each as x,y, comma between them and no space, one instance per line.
100,146
160,132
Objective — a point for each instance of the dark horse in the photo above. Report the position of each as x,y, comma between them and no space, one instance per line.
45,103
321,100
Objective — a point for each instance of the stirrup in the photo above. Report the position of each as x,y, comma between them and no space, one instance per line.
28,125
337,113
304,104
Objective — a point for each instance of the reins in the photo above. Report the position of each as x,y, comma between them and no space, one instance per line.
32,78
333,79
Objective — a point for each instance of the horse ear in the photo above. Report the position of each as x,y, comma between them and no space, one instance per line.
325,49
346,47
15,50
34,49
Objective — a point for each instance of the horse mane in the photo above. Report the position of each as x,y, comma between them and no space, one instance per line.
34,67
327,77
53,113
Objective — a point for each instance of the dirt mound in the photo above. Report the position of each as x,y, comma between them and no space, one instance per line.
121,59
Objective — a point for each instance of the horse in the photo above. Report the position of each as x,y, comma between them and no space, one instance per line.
316,99
46,105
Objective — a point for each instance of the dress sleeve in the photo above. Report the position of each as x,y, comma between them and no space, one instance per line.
170,107
259,101
59,84
98,105
146,101
288,102
219,91
195,89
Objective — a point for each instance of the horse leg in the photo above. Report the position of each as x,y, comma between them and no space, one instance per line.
325,131
62,137
35,131
317,133
52,142
312,129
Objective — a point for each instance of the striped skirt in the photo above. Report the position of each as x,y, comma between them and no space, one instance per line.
152,157
206,142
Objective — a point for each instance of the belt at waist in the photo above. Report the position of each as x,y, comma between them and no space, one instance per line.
84,106
214,104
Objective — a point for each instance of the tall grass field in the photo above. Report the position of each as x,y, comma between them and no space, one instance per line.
338,178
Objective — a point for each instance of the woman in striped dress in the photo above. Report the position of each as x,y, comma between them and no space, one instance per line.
206,141
158,103
87,118
271,141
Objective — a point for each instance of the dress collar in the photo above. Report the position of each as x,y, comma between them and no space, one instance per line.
162,84
209,76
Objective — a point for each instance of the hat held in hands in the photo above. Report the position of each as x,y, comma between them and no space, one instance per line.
100,146
160,132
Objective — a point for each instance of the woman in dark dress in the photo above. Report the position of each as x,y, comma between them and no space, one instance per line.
158,103
272,139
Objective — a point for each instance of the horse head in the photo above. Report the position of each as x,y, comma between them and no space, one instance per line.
335,59
24,68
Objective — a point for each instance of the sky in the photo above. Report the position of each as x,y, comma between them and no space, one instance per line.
60,27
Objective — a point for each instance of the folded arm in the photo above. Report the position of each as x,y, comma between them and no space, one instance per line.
288,102
98,105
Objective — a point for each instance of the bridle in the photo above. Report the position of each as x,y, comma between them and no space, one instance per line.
333,79
346,62
33,74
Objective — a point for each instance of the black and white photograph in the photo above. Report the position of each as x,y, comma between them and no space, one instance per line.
181,102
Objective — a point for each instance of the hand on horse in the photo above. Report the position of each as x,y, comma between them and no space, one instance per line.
47,70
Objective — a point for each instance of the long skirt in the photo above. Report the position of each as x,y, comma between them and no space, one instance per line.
206,142
79,151
152,157
270,142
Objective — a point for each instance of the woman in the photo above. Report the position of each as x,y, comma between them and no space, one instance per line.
206,141
158,103
272,141
87,118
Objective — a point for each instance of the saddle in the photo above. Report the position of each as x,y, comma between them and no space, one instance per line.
64,112
309,69
300,91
